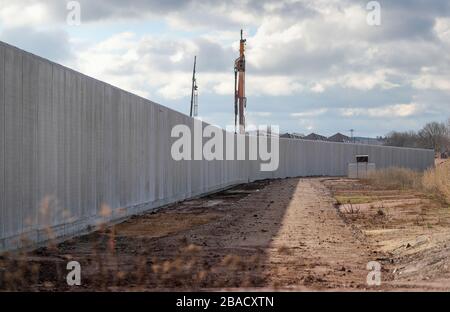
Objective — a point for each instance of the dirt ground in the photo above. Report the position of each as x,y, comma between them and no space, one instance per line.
290,234
409,228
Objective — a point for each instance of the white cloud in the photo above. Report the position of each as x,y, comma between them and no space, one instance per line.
140,64
311,113
389,111
432,79
362,81
178,87
442,29
20,14
367,81
261,114
318,88
273,86
259,85
307,124
323,47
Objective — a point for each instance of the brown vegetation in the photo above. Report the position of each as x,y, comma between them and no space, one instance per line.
434,135
438,180
434,181
405,217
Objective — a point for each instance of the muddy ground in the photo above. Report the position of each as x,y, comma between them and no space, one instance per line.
290,234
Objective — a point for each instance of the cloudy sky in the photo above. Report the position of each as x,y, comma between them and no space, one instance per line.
311,65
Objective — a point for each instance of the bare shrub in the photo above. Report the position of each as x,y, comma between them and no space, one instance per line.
437,180
433,181
395,178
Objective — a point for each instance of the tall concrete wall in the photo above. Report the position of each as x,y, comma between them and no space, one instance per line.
75,151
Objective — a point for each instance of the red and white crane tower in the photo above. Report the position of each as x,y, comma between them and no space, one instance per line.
240,101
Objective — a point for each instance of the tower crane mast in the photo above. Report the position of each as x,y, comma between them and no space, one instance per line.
240,101
194,92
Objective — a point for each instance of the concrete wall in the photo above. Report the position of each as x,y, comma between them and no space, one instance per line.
75,151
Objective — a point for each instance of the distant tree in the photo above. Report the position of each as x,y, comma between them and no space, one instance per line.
402,139
446,146
434,135
381,139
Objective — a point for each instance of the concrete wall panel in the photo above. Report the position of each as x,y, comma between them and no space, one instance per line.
13,142
29,185
47,144
71,145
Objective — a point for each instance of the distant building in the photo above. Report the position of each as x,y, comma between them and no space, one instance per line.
339,137
261,133
292,135
315,137
368,141
298,135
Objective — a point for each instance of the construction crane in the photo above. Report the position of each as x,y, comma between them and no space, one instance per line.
195,100
240,101
194,93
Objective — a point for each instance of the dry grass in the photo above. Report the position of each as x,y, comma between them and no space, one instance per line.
355,199
186,269
395,178
45,269
435,181
438,180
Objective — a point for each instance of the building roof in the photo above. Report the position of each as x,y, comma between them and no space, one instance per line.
339,137
292,135
315,137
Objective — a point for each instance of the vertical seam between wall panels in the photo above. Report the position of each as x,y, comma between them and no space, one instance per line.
21,143
4,116
64,201
36,147
54,121
4,136
36,142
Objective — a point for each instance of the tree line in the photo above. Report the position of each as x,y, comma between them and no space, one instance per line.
434,135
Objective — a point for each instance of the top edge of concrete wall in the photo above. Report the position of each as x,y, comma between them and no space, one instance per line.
7,45
181,113
361,144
